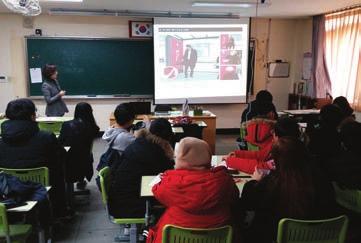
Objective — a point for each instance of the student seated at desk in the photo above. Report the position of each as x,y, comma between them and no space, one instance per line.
259,129
246,161
347,112
118,136
23,145
324,138
255,108
345,168
295,189
195,194
150,154
79,134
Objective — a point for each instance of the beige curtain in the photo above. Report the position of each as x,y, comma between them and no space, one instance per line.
343,54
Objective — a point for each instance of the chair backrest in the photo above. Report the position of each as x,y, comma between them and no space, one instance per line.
39,175
4,225
104,183
53,127
174,234
348,198
243,134
326,231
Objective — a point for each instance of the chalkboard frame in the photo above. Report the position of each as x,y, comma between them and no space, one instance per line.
68,97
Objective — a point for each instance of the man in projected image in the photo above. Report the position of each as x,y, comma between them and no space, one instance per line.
189,60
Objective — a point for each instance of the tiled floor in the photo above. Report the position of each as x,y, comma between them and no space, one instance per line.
91,224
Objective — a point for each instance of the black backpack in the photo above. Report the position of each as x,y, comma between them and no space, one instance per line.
106,159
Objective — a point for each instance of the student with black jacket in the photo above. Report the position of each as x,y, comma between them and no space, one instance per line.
150,154
23,145
295,189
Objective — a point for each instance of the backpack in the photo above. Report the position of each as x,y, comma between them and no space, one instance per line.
107,158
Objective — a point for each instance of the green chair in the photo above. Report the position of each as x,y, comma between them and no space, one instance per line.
104,175
1,121
321,231
12,233
243,133
39,175
53,127
348,198
175,234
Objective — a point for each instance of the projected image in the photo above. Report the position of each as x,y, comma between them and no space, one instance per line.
189,56
231,57
202,61
231,41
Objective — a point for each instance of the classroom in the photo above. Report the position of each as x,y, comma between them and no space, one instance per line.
180,121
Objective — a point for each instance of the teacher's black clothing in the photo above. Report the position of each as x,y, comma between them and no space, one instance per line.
55,106
79,135
23,145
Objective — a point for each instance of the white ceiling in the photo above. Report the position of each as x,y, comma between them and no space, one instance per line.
278,8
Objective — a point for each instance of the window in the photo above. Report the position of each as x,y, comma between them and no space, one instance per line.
343,54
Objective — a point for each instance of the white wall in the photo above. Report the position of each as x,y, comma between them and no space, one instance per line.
289,38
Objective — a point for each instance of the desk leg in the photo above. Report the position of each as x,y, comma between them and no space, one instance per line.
147,215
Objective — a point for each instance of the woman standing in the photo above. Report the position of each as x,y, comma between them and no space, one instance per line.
52,92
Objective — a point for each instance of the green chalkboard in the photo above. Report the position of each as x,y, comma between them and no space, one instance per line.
89,66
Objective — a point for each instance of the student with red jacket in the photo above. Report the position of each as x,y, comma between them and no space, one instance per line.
247,161
195,194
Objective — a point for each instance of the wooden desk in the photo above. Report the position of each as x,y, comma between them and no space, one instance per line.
209,132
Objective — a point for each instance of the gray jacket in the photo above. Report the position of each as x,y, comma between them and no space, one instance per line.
55,106
122,138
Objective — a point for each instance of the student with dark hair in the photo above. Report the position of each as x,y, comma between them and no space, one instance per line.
79,134
118,136
345,168
347,112
23,145
53,94
247,161
295,189
263,104
324,140
150,154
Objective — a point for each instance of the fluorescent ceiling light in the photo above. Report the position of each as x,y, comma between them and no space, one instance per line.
226,4
65,1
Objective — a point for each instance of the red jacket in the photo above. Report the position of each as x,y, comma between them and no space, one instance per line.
259,132
195,199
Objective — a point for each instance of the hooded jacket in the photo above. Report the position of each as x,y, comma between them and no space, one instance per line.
259,132
23,145
120,137
194,199
148,155
256,108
